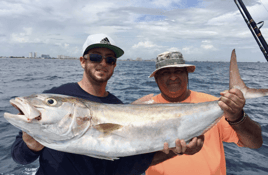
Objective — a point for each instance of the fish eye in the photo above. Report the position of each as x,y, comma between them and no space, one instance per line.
51,101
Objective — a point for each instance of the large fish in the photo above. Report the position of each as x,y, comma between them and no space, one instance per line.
109,131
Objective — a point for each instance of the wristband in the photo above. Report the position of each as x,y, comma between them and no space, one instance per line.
239,121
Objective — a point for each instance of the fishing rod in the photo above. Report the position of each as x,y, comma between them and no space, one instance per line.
255,30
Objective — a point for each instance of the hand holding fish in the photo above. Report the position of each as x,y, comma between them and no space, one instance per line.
191,148
232,103
31,143
179,149
195,145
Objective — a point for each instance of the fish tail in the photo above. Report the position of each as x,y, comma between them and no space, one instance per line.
236,81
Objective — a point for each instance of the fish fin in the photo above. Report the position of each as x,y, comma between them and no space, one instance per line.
107,128
144,100
237,82
103,157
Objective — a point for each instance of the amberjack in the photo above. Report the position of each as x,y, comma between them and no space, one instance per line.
110,131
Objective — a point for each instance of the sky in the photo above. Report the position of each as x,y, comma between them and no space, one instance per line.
202,30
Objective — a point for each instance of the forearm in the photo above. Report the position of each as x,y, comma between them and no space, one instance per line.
21,153
161,156
249,133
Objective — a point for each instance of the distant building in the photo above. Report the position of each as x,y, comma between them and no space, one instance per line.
16,57
138,59
32,55
65,57
45,56
61,56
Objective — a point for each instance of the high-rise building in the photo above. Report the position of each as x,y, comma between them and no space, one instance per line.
45,56
30,54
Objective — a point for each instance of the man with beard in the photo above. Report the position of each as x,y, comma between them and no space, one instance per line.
98,61
171,76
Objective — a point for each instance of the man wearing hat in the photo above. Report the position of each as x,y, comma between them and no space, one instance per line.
98,60
171,76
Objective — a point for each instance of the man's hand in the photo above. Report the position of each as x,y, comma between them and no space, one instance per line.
31,143
181,148
248,132
232,103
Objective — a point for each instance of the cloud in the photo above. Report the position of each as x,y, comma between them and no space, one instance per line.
196,27
141,44
207,44
22,37
145,44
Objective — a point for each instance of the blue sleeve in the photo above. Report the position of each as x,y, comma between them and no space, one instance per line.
20,152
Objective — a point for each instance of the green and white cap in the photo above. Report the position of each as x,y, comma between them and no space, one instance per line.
171,59
101,41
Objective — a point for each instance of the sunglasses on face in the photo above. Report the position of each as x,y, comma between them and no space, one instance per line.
98,58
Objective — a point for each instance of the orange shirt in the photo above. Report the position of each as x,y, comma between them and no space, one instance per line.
210,159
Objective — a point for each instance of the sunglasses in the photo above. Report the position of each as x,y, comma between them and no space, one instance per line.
98,58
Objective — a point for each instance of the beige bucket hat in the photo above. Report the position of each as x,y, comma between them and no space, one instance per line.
171,59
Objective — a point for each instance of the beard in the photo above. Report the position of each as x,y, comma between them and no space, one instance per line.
172,89
104,79
174,85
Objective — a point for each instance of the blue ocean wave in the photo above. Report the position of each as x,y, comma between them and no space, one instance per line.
130,82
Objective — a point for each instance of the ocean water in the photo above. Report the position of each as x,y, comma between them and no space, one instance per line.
22,77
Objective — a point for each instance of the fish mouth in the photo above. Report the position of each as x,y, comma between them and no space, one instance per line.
20,111
27,112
